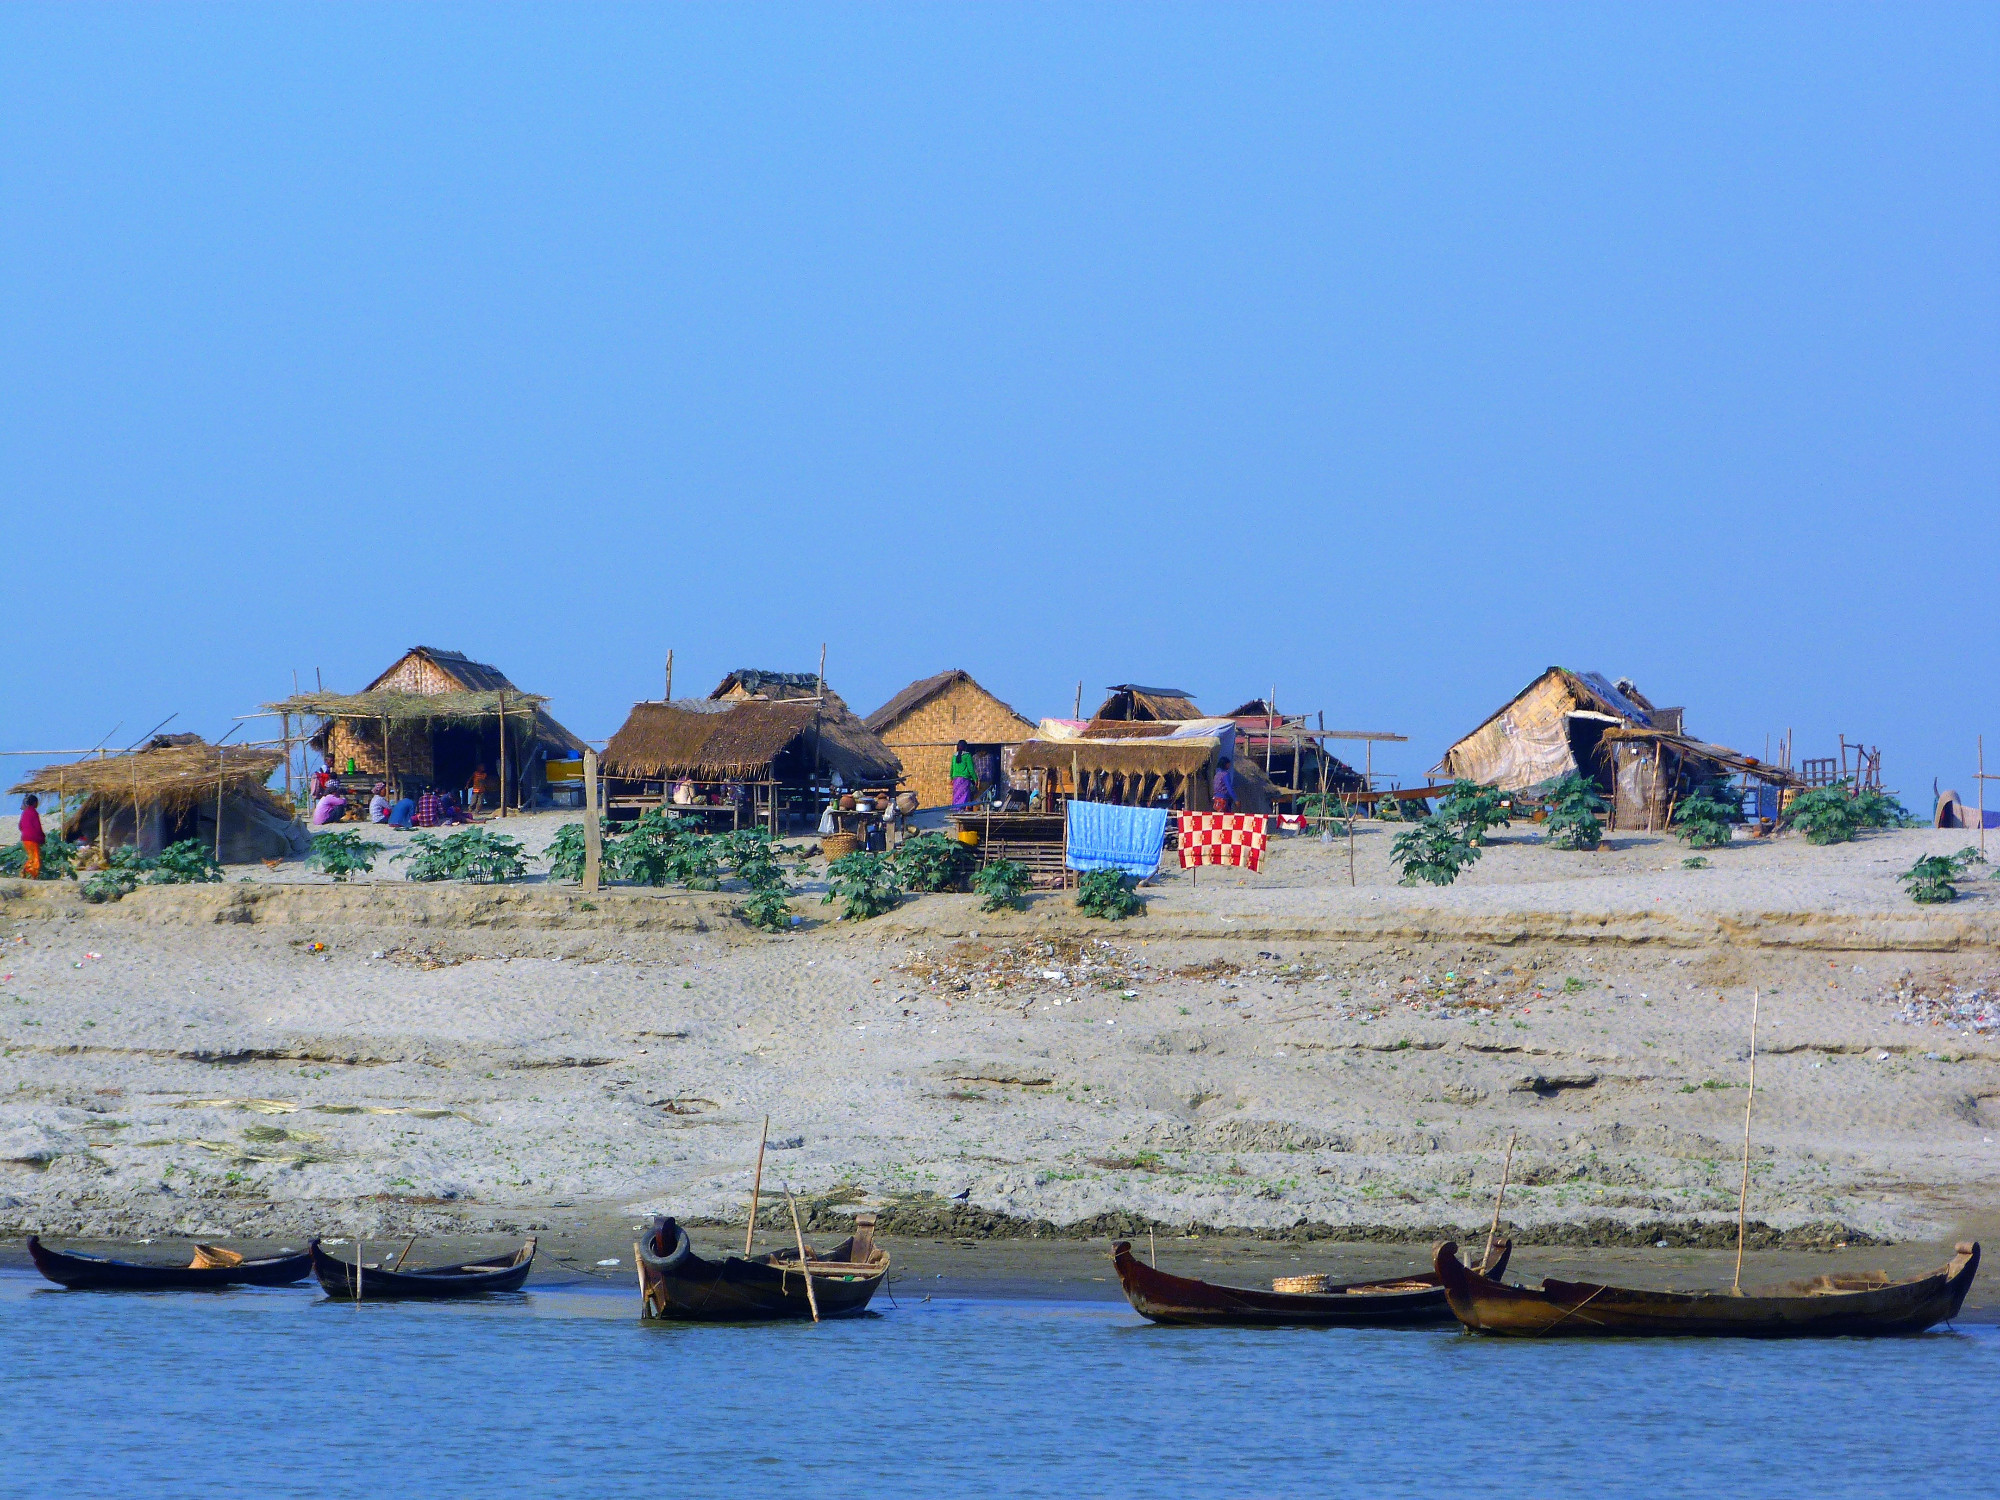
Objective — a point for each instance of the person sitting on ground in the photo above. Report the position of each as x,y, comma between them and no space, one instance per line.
448,810
1222,789
378,803
404,813
32,836
329,809
427,809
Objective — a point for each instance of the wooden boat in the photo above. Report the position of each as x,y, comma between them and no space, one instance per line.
473,1278
677,1284
211,1267
1406,1302
1822,1307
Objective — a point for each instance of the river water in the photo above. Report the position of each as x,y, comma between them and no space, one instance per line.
560,1392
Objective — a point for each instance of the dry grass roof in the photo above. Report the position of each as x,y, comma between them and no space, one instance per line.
172,773
1130,701
401,708
718,739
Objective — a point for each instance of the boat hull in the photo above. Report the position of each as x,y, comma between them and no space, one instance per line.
1412,1302
1824,1308
681,1286
96,1273
480,1278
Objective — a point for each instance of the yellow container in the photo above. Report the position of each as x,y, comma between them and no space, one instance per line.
560,771
968,837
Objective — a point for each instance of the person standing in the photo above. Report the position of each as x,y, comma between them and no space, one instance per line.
32,836
964,776
1222,788
478,790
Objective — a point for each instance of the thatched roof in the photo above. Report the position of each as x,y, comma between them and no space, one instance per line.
473,676
1129,701
173,772
755,682
918,693
1121,748
402,708
1735,762
716,739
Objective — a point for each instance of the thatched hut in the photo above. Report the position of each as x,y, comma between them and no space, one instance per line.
1140,764
775,760
175,787
1639,755
925,721
1130,703
431,720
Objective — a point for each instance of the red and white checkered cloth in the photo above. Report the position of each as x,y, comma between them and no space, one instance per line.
1222,839
1291,822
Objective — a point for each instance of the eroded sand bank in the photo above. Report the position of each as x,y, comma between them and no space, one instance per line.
1284,1054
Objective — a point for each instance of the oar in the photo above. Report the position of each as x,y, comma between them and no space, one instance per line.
406,1250
1493,1232
811,1300
1743,1196
756,1187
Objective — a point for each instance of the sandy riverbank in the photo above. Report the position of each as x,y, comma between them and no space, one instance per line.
1284,1054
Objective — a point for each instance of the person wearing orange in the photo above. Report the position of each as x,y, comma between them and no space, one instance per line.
480,788
32,836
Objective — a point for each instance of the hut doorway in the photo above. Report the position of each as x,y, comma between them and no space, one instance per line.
457,750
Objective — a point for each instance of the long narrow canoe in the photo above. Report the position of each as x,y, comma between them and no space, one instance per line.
211,1267
676,1284
1825,1306
1406,1302
472,1278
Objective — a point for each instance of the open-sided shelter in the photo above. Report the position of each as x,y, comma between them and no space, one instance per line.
778,759
925,721
175,787
431,720
1286,749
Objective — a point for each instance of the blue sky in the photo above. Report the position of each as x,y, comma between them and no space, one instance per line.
1385,354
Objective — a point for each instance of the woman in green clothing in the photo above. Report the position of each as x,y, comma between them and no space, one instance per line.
964,776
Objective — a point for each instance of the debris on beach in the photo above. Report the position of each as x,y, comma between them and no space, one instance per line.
1971,1005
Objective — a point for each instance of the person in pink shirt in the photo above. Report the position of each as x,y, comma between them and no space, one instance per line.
32,836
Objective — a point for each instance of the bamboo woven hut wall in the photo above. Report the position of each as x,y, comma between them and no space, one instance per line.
167,791
430,719
924,722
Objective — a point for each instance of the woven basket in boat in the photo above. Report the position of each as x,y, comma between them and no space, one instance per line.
836,845
1317,1282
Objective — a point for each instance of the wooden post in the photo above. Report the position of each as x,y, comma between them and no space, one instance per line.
812,1300
1493,1230
1351,809
1743,1196
220,779
1078,712
387,775
503,752
756,1186
1982,794
593,835
286,726
670,675
135,804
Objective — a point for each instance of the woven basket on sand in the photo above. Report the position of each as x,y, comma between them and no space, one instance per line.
836,845
1317,1282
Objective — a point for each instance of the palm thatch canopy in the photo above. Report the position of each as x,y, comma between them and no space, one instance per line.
747,739
173,772
404,708
1130,701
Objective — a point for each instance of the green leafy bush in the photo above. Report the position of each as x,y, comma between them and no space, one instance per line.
1879,809
475,854
753,858
1573,809
113,883
58,858
864,884
1694,862
1002,883
565,851
1931,880
1390,809
1328,806
1107,894
1475,809
933,862
666,849
189,862
1826,815
343,854
1703,822
1434,852
767,908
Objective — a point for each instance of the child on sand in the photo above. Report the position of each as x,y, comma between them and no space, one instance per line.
32,836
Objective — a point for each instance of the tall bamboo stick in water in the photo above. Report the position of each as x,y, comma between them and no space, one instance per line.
1493,1231
812,1300
1743,1197
757,1186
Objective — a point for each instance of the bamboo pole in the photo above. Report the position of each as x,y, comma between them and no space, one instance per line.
405,1251
1982,795
812,1298
1743,1195
358,1252
221,779
756,1186
503,752
670,674
593,834
1493,1230
385,757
